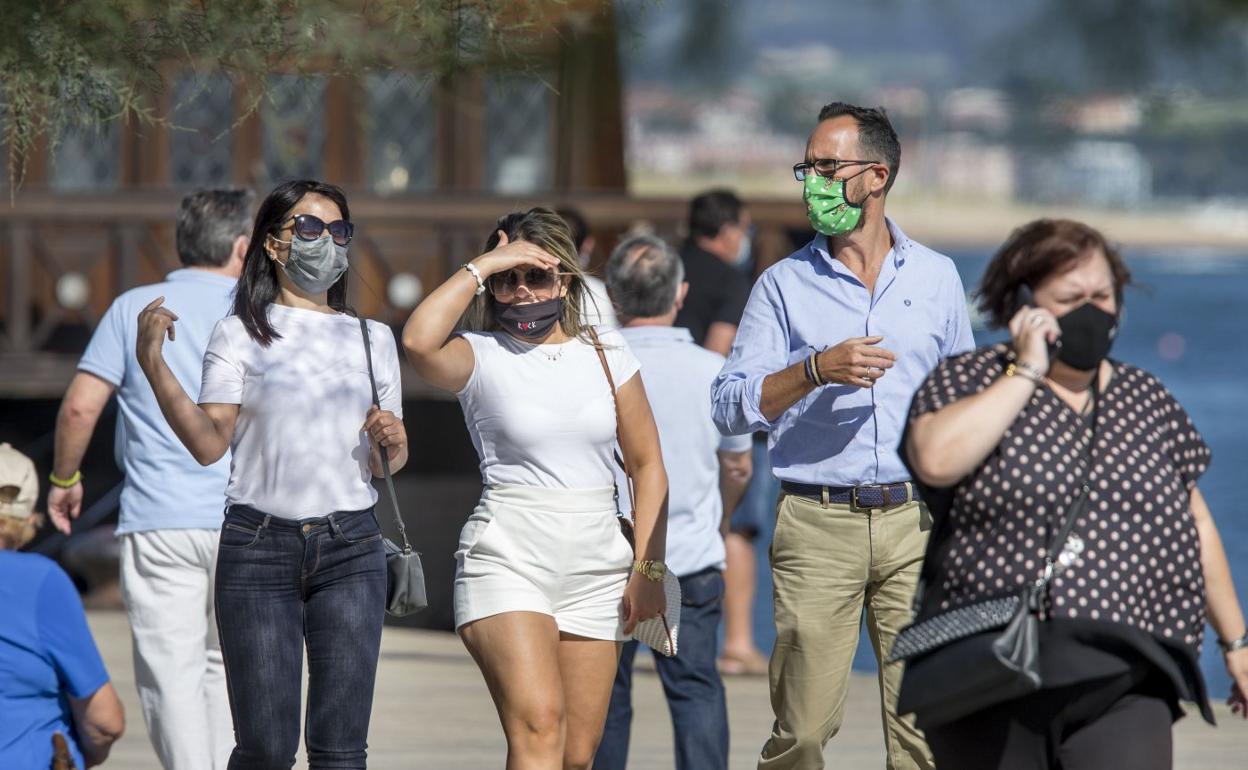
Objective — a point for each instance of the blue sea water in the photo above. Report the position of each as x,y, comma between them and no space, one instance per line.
1186,321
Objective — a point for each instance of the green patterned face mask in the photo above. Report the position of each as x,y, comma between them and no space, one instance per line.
827,208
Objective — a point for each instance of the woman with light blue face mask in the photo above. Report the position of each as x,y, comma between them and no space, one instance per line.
286,388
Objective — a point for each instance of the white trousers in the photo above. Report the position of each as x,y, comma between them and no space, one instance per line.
167,581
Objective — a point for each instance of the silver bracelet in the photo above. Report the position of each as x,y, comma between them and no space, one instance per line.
471,268
1232,646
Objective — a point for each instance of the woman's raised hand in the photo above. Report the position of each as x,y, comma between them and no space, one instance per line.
154,323
1032,331
511,254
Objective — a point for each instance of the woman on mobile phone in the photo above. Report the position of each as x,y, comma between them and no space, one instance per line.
546,586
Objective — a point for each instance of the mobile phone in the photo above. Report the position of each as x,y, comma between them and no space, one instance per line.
1025,298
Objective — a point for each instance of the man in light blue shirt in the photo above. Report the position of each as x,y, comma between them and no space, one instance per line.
707,475
834,342
171,507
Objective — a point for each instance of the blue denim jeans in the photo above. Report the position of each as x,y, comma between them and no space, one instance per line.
282,584
695,693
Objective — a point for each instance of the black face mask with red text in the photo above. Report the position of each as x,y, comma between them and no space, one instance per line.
532,321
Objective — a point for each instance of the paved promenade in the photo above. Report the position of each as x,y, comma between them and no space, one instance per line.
432,711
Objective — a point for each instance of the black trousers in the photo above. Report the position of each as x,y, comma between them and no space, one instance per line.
1121,722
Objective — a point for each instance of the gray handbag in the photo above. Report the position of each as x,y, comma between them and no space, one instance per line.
405,577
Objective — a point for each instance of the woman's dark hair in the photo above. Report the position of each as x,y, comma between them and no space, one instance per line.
258,286
1036,251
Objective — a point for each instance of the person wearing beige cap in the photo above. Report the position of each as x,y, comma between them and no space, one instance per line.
52,680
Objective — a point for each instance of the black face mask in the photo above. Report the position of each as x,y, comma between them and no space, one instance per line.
532,321
1087,335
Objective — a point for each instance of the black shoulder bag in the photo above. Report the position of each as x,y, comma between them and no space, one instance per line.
405,577
967,659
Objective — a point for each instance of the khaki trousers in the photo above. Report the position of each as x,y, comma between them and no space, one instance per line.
830,563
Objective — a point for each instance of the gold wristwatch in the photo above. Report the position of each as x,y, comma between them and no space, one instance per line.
650,570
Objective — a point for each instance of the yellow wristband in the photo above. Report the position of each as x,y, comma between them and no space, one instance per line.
65,483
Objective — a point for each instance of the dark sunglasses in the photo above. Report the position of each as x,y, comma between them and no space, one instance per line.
309,227
532,278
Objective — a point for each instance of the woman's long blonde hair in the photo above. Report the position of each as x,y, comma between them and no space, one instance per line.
545,229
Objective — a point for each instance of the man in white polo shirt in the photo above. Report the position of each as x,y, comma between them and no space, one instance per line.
707,475
171,507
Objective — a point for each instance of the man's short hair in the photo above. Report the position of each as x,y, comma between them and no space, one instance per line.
576,225
208,223
711,210
875,135
643,277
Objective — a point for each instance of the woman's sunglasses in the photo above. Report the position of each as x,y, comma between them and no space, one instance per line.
309,227
534,279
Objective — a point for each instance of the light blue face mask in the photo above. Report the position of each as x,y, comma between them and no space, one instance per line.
314,266
744,252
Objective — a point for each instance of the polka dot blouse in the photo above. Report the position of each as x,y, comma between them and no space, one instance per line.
1141,565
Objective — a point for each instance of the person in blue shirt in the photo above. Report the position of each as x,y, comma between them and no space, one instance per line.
708,473
833,344
52,680
171,506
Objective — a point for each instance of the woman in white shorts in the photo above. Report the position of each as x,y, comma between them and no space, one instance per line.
546,585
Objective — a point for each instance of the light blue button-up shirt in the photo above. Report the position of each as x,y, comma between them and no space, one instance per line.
841,435
164,487
677,374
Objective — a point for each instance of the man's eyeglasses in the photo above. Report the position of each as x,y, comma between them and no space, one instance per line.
309,227
535,279
825,167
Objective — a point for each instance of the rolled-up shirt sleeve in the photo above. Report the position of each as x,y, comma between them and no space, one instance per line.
760,349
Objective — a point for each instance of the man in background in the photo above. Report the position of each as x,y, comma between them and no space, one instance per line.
719,240
708,474
171,507
719,244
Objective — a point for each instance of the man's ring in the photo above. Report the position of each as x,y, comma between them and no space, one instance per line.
1036,320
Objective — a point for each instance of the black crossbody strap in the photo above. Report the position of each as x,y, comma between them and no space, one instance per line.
385,456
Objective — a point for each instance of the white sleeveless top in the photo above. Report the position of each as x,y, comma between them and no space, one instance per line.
543,415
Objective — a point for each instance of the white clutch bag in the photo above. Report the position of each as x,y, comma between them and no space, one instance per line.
660,633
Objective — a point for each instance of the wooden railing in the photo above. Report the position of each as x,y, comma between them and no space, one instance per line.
64,258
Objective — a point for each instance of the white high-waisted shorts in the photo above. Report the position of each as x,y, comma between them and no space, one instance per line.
559,552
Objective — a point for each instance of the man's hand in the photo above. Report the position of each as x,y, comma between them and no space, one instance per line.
856,361
64,505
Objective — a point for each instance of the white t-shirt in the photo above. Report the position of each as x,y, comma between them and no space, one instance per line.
299,450
543,415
